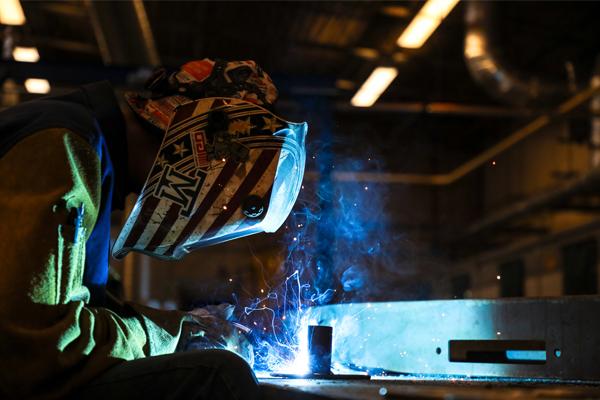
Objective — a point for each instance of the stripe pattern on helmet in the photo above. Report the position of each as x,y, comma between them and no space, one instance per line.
190,198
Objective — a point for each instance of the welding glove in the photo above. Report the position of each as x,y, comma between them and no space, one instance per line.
211,327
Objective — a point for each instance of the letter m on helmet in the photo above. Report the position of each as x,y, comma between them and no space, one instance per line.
180,188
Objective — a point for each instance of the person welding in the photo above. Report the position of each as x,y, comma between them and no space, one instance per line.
210,162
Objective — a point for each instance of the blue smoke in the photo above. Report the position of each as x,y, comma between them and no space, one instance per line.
338,248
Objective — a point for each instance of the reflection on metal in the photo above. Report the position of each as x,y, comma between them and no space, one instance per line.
491,71
546,339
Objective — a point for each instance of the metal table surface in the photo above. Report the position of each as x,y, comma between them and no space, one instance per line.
306,389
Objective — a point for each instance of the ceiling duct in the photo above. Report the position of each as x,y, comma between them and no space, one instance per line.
487,66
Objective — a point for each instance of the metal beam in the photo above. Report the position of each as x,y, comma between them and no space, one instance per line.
123,32
439,108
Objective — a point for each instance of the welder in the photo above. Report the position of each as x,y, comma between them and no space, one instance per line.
210,162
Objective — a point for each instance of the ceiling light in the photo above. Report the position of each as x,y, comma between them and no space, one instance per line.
41,86
425,23
374,86
11,13
26,54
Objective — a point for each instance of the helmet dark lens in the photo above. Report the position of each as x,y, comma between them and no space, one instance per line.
253,206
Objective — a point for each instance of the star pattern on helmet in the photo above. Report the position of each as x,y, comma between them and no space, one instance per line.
180,149
271,124
162,161
241,126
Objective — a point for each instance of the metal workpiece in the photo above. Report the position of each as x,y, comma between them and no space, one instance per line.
319,349
544,339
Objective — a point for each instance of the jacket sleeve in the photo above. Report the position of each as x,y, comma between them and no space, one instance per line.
51,340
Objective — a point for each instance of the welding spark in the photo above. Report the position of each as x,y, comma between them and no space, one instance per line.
282,312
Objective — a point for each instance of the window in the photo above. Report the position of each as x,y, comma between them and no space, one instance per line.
512,279
579,268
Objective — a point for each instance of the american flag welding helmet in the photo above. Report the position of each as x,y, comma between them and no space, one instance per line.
227,168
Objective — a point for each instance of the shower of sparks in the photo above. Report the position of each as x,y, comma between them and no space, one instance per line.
281,314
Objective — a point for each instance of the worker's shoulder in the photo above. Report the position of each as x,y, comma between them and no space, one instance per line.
25,119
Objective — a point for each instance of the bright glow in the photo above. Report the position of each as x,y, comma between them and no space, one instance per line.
526,355
425,23
26,54
40,86
475,45
374,86
11,13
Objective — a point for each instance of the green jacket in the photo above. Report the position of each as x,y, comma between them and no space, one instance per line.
51,339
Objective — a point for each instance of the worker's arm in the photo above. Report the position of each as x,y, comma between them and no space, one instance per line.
50,339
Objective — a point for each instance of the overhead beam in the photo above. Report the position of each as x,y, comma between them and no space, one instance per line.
123,32
68,45
440,108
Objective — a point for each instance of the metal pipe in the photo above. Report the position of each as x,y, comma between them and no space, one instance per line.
486,65
438,108
148,37
99,33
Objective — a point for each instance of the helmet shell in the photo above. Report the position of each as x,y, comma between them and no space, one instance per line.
226,168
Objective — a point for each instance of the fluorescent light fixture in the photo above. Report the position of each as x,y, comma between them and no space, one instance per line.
40,86
426,21
26,54
374,86
11,12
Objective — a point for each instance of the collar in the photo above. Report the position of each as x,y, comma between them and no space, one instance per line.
101,98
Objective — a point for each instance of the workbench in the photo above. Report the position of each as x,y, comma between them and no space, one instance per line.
305,389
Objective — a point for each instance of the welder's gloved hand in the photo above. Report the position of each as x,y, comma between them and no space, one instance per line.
212,327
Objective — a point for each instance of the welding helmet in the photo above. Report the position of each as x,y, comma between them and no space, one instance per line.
227,167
